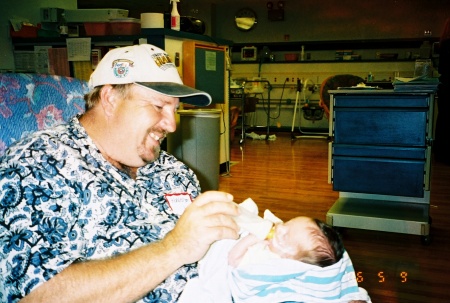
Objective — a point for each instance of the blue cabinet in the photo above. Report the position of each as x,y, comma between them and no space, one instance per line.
380,160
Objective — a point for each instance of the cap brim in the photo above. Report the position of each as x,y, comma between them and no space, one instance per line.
185,93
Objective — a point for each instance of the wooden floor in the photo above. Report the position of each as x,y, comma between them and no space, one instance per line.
289,177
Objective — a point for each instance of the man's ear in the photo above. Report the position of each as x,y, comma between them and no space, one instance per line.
108,99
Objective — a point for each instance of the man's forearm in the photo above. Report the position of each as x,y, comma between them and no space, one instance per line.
124,278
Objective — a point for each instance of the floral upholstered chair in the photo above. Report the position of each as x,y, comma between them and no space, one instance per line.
30,102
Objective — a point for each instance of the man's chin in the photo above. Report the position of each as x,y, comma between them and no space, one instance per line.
150,158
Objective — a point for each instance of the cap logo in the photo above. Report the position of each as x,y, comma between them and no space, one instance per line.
162,60
121,67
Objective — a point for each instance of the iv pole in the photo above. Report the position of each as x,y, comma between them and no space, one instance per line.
305,134
299,89
269,88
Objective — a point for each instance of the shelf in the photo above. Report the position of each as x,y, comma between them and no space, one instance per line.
382,215
153,35
338,44
325,51
326,61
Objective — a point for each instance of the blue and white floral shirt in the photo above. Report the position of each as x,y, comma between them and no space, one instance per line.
61,202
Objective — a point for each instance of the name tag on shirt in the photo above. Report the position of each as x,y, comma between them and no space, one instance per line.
178,202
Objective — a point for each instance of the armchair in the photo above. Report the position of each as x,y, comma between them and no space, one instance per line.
30,102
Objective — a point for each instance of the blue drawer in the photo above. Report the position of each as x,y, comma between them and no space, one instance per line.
381,120
382,101
378,175
380,126
393,152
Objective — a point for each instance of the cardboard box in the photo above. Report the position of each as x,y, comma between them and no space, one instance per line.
94,15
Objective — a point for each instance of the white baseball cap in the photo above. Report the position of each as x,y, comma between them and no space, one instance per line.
149,66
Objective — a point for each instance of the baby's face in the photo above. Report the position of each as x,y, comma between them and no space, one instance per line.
292,237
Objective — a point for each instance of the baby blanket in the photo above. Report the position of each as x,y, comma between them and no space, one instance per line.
281,280
277,280
271,281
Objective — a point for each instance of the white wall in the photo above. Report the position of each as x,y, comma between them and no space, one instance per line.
22,9
282,100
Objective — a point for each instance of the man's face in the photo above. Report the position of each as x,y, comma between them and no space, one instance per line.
139,124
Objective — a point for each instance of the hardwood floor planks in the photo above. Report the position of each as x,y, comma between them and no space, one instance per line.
289,177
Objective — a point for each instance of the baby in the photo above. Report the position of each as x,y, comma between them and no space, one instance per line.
301,260
302,238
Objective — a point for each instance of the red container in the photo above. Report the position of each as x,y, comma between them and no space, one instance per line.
97,28
125,26
291,57
26,31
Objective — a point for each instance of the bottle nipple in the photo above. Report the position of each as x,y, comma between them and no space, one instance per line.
271,233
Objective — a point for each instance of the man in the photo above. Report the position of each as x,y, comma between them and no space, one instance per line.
90,209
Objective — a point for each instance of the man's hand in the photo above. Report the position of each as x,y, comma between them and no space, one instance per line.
206,220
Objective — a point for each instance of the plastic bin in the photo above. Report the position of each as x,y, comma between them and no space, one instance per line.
97,28
26,31
200,145
125,26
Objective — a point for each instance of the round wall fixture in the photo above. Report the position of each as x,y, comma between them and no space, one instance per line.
245,19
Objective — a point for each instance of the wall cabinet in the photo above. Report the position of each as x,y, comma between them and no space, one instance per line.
167,39
380,160
155,36
385,49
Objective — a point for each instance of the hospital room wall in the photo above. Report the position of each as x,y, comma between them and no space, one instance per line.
312,20
311,74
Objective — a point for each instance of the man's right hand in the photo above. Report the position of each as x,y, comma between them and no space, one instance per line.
206,220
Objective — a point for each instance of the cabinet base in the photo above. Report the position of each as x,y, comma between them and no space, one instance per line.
380,215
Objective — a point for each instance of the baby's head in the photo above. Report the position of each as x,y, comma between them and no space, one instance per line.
307,240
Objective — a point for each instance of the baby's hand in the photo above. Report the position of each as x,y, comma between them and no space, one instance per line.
238,251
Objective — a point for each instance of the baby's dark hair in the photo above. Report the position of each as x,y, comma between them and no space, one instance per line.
328,246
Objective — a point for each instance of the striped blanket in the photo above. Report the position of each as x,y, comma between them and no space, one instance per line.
272,280
281,280
277,280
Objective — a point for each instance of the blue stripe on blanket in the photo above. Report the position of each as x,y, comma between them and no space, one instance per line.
292,280
306,277
266,292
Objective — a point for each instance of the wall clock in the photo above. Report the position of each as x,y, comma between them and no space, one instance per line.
245,19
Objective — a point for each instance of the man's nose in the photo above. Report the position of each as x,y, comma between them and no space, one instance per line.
169,122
